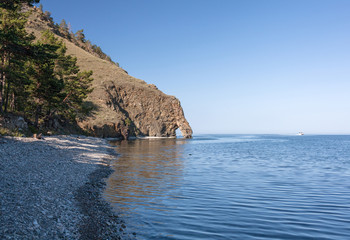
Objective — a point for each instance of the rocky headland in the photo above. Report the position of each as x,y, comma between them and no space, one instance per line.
123,105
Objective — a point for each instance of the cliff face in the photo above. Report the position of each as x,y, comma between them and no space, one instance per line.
135,110
123,105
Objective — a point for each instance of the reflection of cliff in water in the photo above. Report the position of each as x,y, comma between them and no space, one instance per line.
145,171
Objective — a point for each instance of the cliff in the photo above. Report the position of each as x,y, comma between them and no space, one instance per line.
123,105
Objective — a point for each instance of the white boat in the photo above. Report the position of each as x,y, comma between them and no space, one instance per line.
300,133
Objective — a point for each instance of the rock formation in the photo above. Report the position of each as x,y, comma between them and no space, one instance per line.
123,105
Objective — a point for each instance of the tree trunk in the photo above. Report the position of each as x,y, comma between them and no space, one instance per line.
4,91
12,102
7,95
37,113
2,83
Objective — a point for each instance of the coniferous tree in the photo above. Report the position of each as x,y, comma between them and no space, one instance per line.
14,51
45,88
38,79
63,30
80,35
63,25
76,84
15,4
58,87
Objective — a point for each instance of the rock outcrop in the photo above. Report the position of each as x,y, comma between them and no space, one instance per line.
13,123
123,105
139,110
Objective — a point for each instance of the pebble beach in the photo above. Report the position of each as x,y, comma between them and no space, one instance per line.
51,188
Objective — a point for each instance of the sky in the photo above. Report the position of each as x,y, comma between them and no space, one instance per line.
237,66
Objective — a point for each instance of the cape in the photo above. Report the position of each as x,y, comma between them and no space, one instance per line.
123,106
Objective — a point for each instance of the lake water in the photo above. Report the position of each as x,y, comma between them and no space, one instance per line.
234,187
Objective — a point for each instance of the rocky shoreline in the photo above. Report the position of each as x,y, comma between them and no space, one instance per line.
52,189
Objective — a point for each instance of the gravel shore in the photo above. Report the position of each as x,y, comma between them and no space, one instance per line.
51,189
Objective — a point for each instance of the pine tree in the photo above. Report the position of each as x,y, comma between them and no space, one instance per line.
14,51
80,35
58,87
63,29
76,84
63,25
38,79
15,4
70,29
45,88
77,88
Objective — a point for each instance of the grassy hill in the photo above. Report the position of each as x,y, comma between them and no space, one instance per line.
123,105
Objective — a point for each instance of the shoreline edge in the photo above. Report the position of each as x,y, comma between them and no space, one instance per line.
53,189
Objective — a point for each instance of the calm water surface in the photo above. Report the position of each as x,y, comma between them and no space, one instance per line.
234,187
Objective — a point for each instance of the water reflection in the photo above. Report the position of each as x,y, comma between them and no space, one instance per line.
234,187
147,172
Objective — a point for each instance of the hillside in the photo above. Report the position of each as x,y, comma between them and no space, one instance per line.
123,105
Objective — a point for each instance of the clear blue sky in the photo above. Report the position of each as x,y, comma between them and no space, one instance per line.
237,66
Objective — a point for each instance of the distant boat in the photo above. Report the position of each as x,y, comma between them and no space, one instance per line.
300,133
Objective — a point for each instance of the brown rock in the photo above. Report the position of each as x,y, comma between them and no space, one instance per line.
38,136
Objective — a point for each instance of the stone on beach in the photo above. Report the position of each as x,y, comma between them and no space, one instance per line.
40,184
